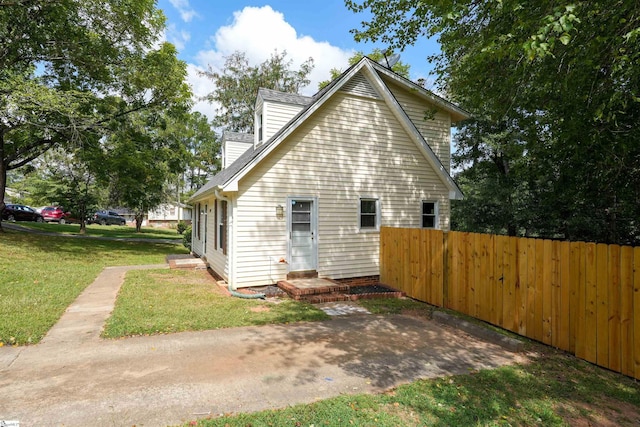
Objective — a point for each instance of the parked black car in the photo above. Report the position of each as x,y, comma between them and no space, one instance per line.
14,212
108,218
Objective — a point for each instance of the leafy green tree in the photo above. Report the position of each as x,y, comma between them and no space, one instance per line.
143,159
69,68
237,86
65,178
562,77
203,149
377,55
75,185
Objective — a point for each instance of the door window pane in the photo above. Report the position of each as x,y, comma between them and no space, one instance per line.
301,226
300,206
301,217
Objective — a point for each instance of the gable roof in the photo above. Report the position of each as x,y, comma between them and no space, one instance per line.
287,98
237,137
227,180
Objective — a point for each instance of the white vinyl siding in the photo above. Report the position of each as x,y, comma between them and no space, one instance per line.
435,130
335,157
275,115
232,150
216,259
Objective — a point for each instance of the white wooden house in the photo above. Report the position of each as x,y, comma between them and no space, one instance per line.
323,174
168,214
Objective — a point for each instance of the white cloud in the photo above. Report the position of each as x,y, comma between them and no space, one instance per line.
179,38
259,31
186,12
201,86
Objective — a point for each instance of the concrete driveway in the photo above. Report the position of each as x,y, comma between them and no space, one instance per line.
74,378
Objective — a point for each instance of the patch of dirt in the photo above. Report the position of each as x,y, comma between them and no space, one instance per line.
607,413
417,312
260,309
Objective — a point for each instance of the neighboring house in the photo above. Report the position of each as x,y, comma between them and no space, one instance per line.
323,174
10,194
169,214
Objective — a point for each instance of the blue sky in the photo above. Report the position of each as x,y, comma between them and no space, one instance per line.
205,31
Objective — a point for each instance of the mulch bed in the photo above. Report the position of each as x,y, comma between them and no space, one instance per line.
369,289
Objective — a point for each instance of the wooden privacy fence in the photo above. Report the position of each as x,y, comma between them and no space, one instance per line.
580,297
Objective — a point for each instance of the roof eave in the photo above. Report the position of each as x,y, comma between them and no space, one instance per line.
457,113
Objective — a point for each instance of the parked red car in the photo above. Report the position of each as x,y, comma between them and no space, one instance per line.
57,214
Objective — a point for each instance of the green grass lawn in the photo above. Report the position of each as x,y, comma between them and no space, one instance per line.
164,301
41,275
115,231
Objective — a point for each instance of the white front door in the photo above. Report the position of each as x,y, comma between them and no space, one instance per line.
303,247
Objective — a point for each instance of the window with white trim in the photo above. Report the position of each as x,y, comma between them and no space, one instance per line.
369,213
429,214
198,220
222,227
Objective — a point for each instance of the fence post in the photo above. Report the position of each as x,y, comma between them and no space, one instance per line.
445,269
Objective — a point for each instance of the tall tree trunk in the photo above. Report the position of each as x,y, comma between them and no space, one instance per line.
139,218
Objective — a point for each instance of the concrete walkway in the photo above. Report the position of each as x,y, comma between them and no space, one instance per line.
75,378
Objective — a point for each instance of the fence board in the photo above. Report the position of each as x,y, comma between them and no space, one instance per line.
523,285
474,297
385,241
636,311
436,248
626,311
465,282
416,261
563,329
602,300
580,259
511,311
580,297
453,272
484,271
591,321
503,302
537,279
546,286
613,307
